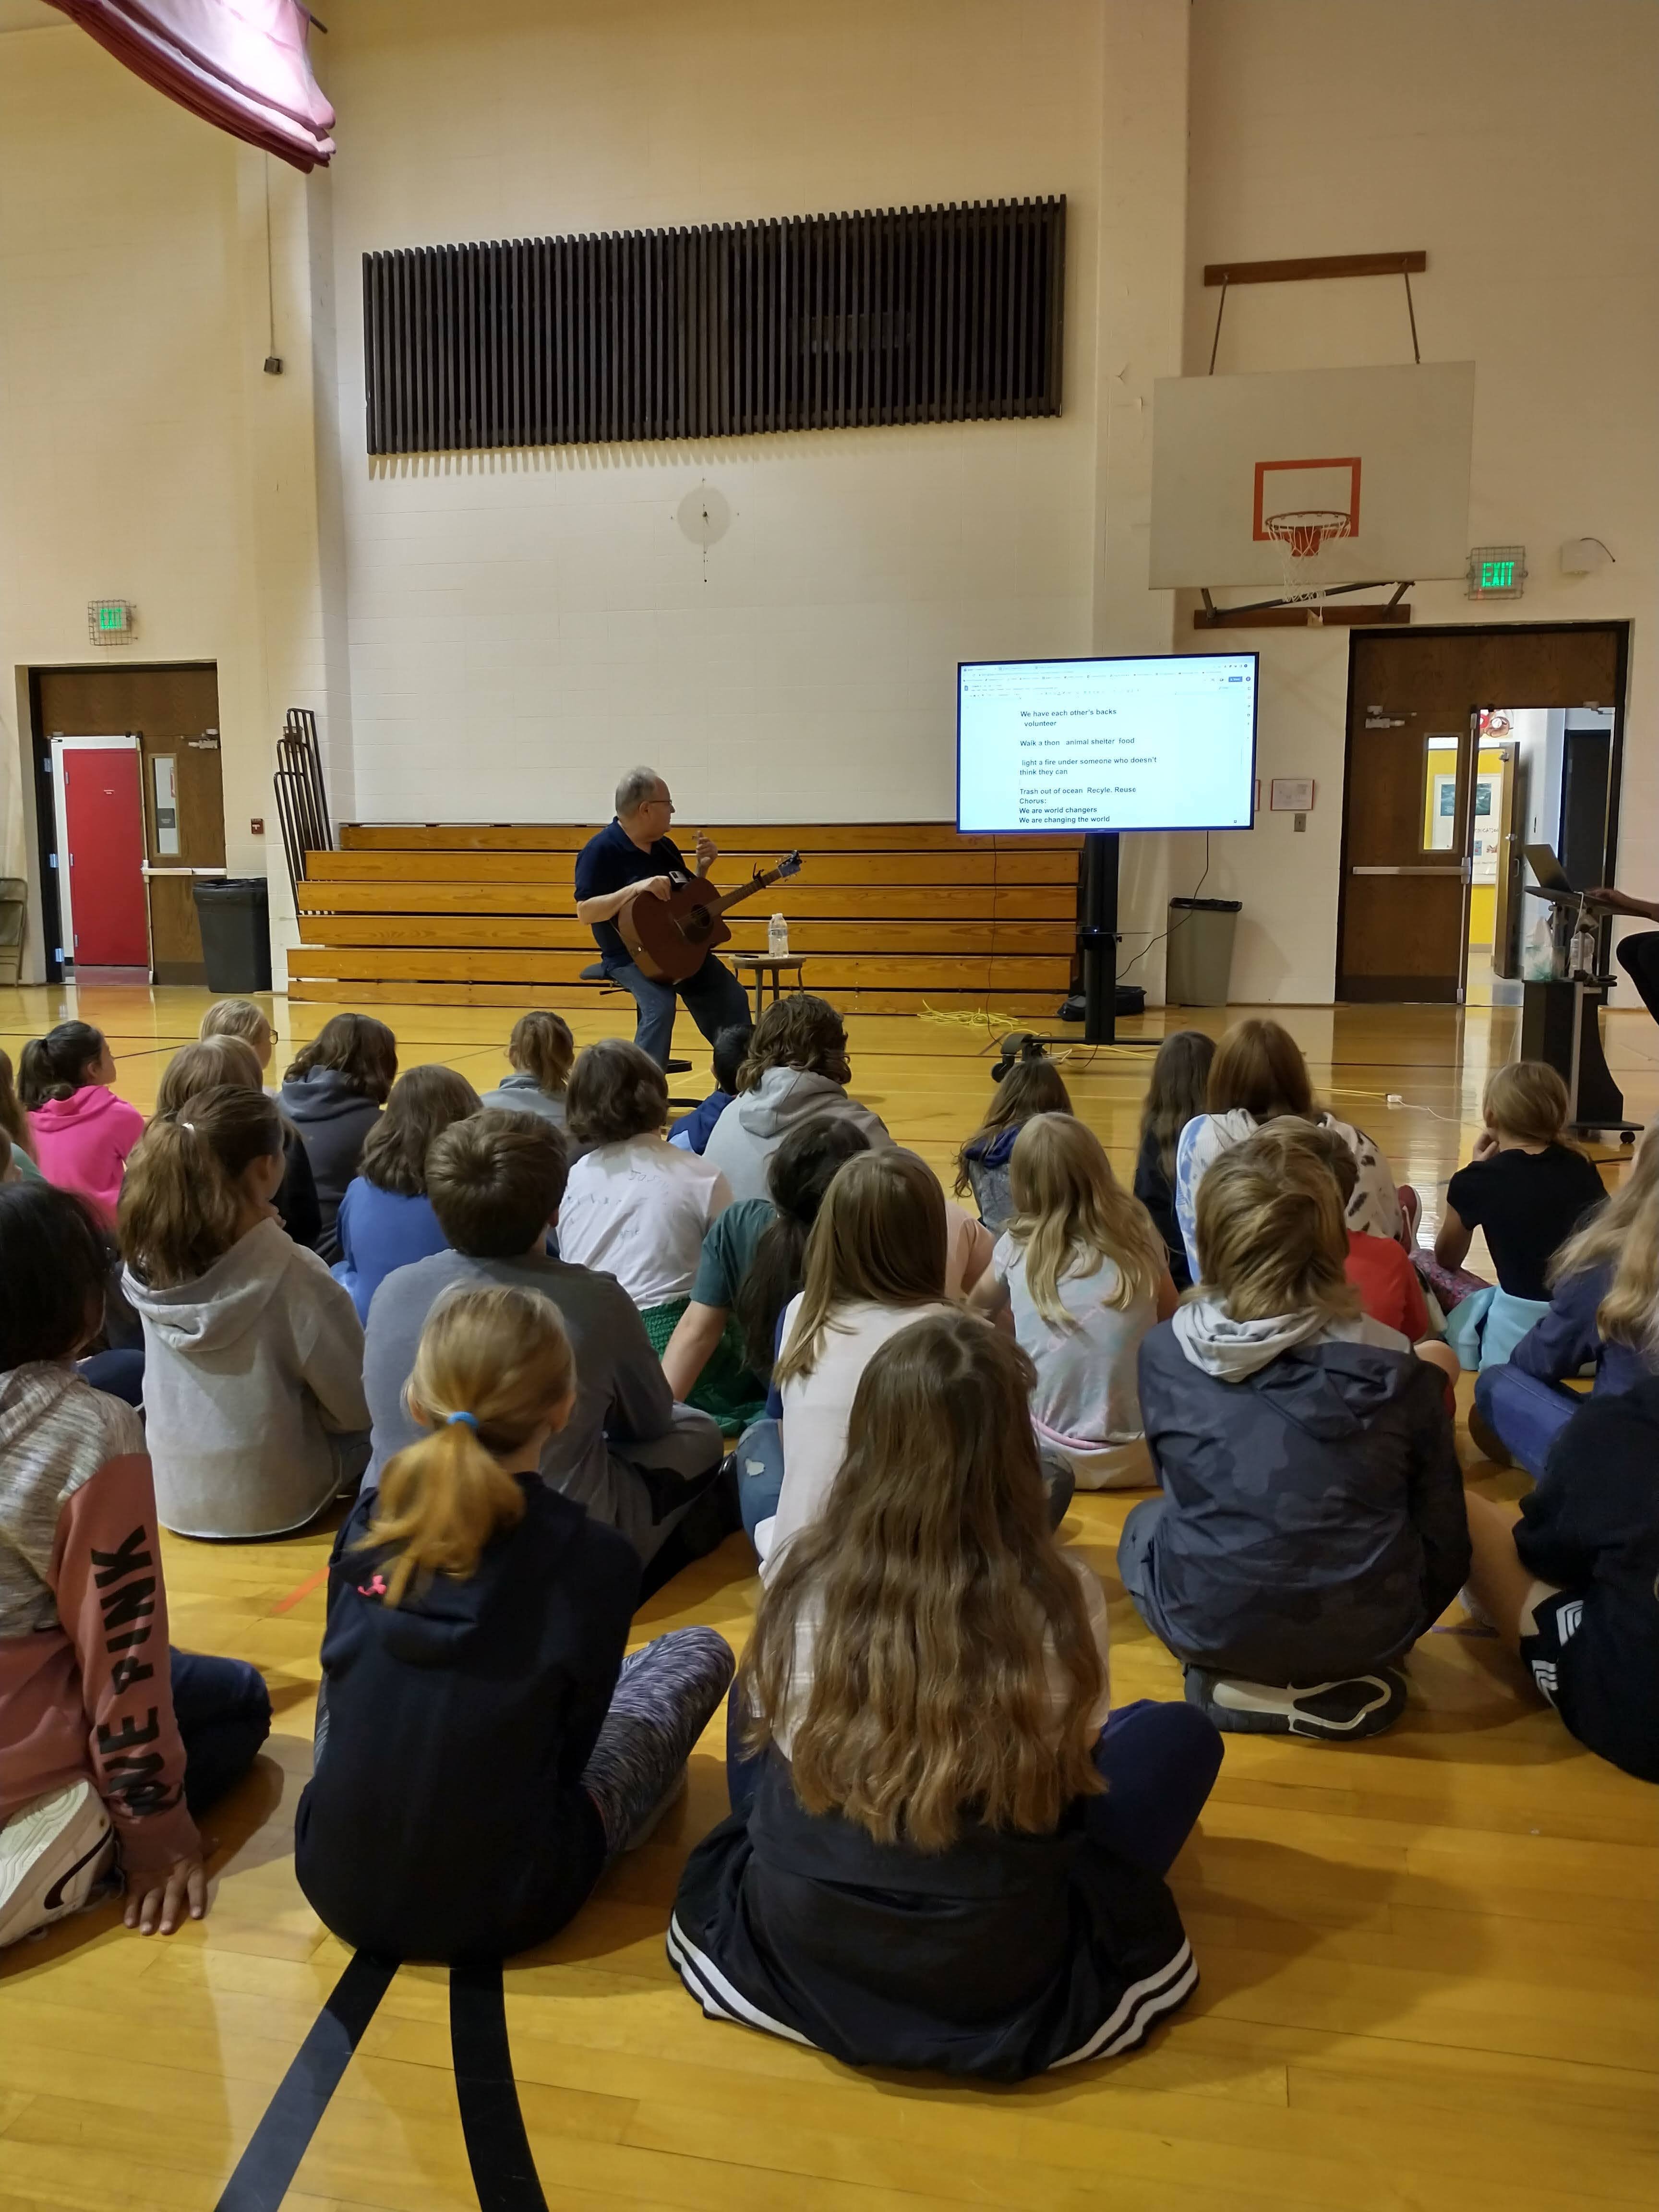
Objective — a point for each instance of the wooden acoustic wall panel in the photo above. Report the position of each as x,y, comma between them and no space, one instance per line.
889,916
937,314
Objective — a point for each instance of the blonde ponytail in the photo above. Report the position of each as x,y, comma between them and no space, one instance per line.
492,1366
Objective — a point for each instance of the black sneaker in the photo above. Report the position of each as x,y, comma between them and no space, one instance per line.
1362,1705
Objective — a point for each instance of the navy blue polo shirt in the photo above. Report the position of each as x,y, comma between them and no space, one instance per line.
608,863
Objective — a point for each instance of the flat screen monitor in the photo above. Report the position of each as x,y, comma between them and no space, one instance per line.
1163,743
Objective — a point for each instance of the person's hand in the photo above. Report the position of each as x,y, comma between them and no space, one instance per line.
655,886
1619,902
707,852
1485,1144
169,1904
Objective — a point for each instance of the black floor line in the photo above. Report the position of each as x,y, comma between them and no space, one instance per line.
497,2148
265,2170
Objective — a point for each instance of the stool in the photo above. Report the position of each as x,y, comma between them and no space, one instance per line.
763,964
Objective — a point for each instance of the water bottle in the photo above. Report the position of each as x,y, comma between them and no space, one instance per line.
1581,961
777,937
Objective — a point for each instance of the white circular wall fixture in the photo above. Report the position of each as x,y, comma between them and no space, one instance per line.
704,515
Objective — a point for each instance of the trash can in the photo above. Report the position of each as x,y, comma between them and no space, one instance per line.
13,905
1200,965
234,912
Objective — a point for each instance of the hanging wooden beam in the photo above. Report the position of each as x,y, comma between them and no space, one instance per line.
1325,264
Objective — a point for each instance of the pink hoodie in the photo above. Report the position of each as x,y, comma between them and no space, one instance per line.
81,1142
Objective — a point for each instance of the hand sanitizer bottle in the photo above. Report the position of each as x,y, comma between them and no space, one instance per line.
777,937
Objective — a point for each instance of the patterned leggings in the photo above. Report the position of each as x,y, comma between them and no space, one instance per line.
665,1697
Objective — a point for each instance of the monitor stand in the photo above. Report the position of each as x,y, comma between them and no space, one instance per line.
1097,945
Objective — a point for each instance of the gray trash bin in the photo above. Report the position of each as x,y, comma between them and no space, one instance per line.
13,905
1200,965
233,912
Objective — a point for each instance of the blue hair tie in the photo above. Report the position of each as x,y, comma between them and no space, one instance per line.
471,1420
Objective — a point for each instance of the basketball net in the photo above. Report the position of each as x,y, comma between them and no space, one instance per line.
1305,539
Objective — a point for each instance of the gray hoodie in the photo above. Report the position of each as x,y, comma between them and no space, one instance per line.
752,1127
254,1389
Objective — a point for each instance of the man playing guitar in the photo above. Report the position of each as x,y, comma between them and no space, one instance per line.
637,858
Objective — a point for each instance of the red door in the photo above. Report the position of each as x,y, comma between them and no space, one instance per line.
104,836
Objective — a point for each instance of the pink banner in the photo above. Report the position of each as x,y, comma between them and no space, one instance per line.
240,63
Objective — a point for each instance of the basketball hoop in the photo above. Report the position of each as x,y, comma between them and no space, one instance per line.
1304,538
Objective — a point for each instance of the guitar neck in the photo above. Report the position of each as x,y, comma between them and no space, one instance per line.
744,890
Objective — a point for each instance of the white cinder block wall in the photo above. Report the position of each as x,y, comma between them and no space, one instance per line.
1513,139
490,636
549,607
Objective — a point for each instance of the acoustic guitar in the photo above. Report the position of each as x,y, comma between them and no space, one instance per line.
669,938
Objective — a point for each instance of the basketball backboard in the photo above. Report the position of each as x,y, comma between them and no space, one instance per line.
1384,453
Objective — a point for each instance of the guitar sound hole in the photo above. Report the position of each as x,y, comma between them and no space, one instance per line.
695,924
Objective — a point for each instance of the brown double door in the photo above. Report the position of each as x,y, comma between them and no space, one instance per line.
174,713
1415,698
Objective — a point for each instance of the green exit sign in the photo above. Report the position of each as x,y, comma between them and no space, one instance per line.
110,622
1497,572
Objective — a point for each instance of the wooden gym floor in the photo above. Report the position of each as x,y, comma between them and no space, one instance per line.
1429,1963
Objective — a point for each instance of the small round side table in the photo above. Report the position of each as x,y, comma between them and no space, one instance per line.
762,965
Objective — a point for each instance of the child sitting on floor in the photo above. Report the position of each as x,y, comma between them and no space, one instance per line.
730,1048
241,1019
386,1218
16,1123
1082,1270
796,1069
333,1092
634,1207
110,1743
541,1049
80,1132
1029,1086
628,1455
1528,1190
1175,1096
227,1057
942,1853
751,1264
1311,1526
1572,1587
1603,1313
253,1392
874,1262
1258,1075
483,1750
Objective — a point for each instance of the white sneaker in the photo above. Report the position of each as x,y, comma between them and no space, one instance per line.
55,1853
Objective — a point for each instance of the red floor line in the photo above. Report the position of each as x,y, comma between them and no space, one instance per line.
311,1582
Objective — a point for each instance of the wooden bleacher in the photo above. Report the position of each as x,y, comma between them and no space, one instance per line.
892,917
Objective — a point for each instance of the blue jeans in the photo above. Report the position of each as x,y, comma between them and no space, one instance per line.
714,998
760,1472
1159,1763
1525,1415
223,1711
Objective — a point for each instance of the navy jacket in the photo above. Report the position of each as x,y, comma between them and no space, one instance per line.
446,1817
696,1125
1567,1339
1591,1527
1156,1193
1315,1524
333,1119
